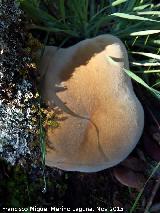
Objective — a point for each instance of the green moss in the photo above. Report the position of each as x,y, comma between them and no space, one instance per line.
53,123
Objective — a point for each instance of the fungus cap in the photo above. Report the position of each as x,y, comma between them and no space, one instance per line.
102,117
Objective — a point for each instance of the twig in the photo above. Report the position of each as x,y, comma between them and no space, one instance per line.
154,191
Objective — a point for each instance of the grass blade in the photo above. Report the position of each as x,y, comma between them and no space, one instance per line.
140,81
150,55
52,29
141,192
156,84
36,13
132,17
130,5
145,32
62,9
149,13
149,71
142,7
145,64
118,2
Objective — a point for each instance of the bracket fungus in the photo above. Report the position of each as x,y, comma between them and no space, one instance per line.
103,119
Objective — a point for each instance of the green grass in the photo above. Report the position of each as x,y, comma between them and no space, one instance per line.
42,135
134,206
43,146
136,22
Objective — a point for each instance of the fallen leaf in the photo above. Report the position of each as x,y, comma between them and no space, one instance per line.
128,177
